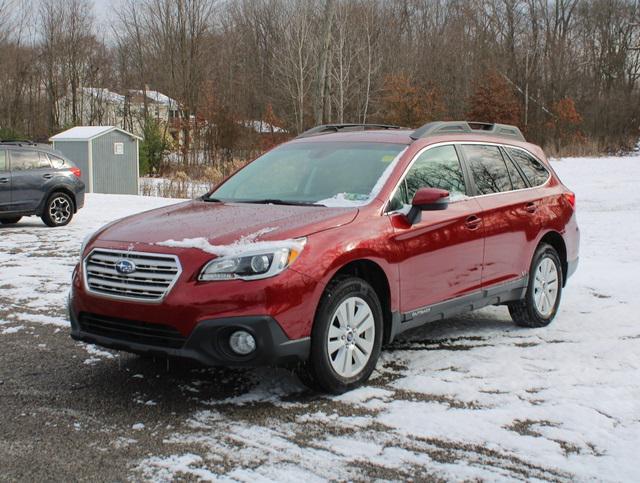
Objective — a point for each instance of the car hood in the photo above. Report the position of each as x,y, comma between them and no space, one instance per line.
225,223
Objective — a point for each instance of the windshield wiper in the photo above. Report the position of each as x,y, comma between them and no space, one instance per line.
208,199
270,201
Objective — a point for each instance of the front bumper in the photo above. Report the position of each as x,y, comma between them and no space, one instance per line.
208,343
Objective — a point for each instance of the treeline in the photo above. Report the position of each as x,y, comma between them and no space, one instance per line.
565,71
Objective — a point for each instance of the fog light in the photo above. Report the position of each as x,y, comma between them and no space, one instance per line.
242,342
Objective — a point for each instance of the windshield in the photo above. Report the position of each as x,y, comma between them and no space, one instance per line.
327,174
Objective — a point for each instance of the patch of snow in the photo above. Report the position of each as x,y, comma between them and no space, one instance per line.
234,249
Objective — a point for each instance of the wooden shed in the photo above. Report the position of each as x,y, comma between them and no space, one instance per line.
108,157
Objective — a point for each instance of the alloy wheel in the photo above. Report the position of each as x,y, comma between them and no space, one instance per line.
60,210
545,286
351,337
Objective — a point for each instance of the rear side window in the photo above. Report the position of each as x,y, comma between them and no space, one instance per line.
3,161
488,168
26,160
516,178
58,163
531,167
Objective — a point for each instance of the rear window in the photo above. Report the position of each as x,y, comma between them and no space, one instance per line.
3,161
533,169
26,160
488,168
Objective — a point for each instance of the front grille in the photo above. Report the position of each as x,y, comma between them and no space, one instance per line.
132,331
151,279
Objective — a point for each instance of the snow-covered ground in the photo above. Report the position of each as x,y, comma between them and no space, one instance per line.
470,398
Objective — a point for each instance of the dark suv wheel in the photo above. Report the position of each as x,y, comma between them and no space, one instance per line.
346,336
10,221
58,210
542,298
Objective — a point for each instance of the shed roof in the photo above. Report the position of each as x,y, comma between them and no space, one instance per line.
87,133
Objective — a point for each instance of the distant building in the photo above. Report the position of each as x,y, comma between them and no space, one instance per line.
101,106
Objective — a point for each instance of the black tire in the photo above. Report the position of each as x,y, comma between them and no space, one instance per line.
318,372
525,313
58,210
10,221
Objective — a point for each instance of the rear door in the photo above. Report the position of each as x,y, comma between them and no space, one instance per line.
30,170
440,256
5,182
508,213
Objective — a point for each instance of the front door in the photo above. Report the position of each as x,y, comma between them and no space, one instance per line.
440,256
5,182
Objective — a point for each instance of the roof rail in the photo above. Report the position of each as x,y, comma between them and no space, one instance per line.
332,128
468,127
17,142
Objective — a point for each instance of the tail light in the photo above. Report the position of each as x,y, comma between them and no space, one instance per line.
76,171
571,198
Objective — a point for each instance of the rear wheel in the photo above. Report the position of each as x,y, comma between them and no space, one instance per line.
346,336
58,211
542,298
10,221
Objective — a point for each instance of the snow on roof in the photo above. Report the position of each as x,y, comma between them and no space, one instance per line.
103,93
262,127
86,133
159,97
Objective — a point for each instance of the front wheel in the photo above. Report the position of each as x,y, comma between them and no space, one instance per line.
346,336
58,211
10,221
542,298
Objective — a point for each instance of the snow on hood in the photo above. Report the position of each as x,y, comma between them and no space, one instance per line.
225,224
236,248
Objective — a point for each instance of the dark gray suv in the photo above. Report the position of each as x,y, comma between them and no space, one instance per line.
36,180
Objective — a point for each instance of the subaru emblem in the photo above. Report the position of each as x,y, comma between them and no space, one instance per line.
125,267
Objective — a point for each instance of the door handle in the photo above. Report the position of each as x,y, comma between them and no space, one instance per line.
47,176
472,222
4,180
531,207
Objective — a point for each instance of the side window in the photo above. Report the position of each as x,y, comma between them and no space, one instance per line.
44,160
488,168
435,168
531,167
57,162
26,160
3,161
517,180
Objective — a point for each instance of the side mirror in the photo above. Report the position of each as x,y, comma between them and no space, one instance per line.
427,199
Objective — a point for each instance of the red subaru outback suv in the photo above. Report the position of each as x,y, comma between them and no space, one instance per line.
327,247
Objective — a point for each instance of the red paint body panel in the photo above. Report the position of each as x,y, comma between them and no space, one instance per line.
445,255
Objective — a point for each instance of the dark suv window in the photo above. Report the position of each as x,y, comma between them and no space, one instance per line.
26,160
532,168
57,162
3,161
488,168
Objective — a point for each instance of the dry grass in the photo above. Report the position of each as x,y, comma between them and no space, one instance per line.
187,182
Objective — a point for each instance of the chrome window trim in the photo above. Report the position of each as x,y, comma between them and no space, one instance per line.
122,297
454,143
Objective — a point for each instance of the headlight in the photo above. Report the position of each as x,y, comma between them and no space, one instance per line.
252,264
